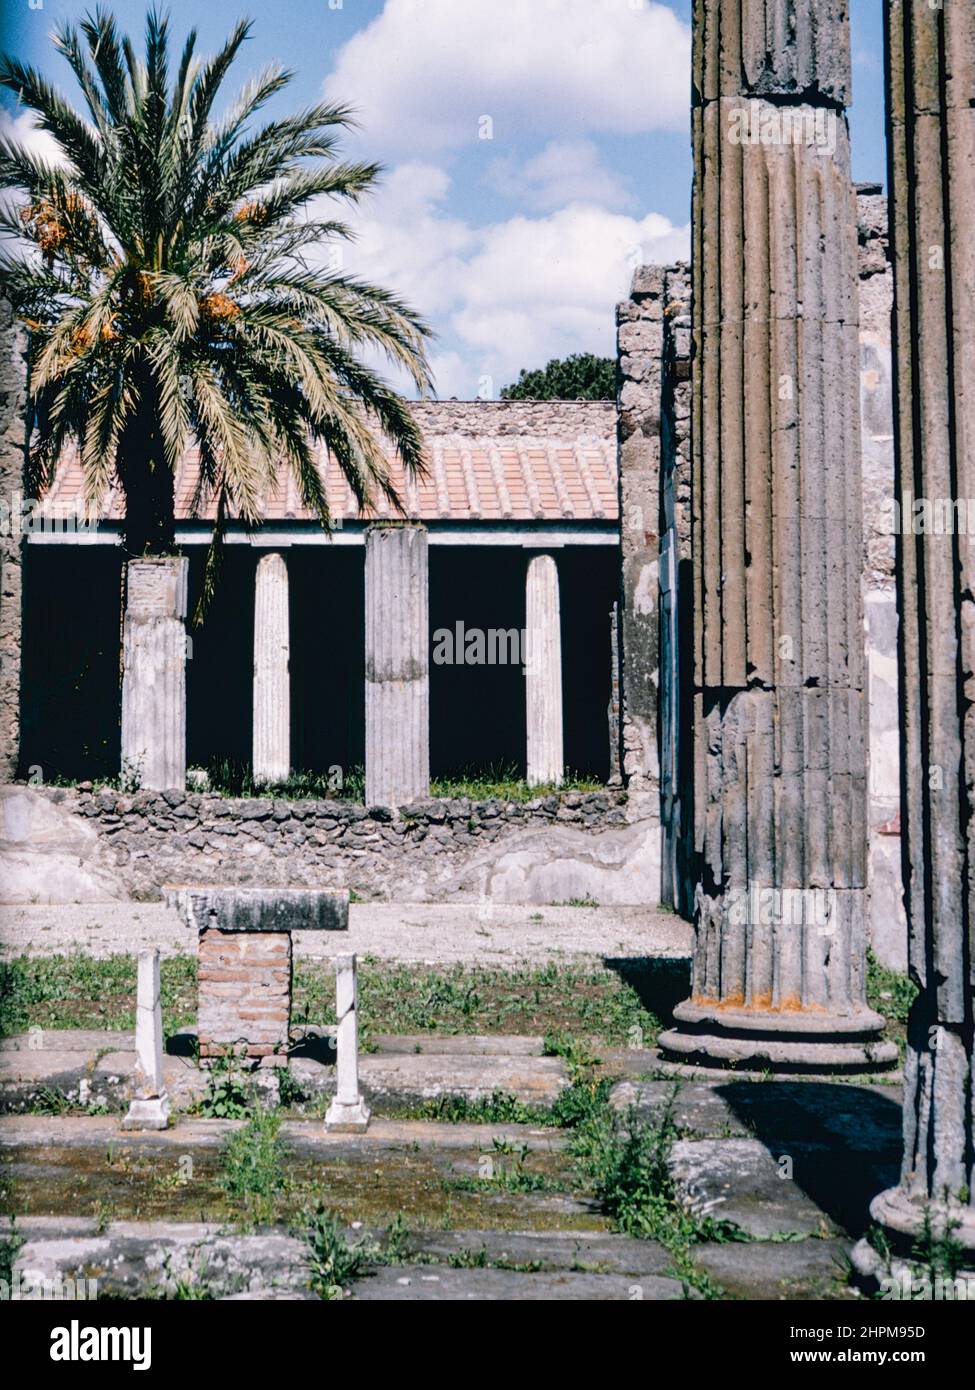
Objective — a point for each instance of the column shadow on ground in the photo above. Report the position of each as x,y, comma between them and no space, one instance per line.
845,1141
660,981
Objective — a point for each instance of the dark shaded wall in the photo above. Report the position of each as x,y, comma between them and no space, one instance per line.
71,655
477,712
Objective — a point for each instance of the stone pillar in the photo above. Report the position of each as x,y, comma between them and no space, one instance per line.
348,1112
154,673
149,1108
543,672
272,689
780,754
931,75
397,665
13,437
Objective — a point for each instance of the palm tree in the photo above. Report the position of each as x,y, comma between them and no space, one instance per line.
174,286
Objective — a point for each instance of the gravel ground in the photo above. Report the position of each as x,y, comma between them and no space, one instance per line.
439,933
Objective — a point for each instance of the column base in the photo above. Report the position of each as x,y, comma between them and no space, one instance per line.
902,1271
801,1040
148,1114
347,1117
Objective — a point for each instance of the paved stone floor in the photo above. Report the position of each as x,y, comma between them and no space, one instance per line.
439,933
792,1164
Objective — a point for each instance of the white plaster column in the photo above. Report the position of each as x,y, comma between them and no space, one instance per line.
348,1111
397,665
154,673
272,686
543,672
149,1108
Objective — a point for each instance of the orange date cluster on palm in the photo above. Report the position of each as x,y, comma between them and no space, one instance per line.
49,222
219,308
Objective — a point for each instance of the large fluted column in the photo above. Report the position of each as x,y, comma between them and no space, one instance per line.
272,686
154,673
780,756
543,672
931,79
397,665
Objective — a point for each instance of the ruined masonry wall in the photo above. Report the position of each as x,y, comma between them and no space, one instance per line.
548,850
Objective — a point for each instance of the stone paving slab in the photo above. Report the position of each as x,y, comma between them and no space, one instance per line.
132,1258
582,1251
804,1269
465,1067
97,1131
435,933
700,1109
409,1283
740,1181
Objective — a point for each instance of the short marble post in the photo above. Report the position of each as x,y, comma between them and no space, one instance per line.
397,665
149,1108
779,975
272,688
154,673
931,79
348,1112
543,672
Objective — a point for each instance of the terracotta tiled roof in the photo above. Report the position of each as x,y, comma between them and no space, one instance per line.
481,467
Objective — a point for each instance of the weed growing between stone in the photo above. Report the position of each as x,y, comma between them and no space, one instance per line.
252,1166
335,1263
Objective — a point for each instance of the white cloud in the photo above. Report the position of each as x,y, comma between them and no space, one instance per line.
565,171
511,294
424,72
23,131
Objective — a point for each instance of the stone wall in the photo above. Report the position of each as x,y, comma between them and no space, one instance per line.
564,419
13,399
549,850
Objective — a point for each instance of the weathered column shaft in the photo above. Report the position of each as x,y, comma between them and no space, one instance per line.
154,673
780,754
13,434
931,76
397,665
543,672
348,1111
149,1108
272,686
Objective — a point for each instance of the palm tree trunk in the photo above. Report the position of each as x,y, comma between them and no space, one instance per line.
150,518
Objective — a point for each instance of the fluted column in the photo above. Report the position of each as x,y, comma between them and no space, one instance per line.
779,728
543,672
397,665
272,686
154,673
931,87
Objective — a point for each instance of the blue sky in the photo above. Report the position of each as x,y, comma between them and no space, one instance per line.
535,149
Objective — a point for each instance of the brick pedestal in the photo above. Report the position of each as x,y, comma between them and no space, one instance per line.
244,995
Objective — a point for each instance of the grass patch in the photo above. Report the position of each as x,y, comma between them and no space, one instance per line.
587,1001
888,991
78,991
230,777
505,782
891,994
551,1000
